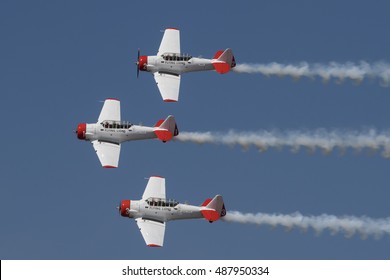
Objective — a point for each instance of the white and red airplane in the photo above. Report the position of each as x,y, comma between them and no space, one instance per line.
109,132
153,211
168,65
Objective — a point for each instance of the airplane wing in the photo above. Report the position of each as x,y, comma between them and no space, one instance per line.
152,232
169,85
108,153
111,110
170,42
155,188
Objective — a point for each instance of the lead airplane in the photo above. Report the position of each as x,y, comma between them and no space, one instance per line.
168,65
153,211
109,132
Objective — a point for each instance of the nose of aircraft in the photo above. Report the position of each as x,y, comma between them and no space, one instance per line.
81,130
123,205
142,62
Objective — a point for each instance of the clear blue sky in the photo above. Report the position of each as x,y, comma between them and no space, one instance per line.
58,59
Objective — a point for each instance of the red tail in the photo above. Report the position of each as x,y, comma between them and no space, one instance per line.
213,209
223,61
166,129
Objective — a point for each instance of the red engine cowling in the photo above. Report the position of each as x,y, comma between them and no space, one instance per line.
81,130
142,62
125,204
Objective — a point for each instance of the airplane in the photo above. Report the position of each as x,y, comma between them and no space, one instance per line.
109,132
153,211
168,65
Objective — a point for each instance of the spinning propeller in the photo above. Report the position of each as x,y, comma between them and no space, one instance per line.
137,63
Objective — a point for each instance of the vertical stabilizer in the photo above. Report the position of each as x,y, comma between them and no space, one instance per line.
214,209
223,61
166,129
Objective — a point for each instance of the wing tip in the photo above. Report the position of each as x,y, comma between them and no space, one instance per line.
154,245
109,166
172,28
170,100
157,176
112,98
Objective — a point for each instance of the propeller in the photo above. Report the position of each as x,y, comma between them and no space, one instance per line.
137,63
119,207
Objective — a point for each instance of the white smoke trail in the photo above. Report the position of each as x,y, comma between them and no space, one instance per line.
321,139
348,225
349,70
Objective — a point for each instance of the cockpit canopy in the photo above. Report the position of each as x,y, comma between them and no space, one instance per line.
176,57
154,201
116,124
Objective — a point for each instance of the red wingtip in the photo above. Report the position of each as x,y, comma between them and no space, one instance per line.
112,98
153,245
221,67
172,28
109,166
169,100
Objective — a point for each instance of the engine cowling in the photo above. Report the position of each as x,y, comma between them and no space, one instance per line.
125,204
81,130
142,62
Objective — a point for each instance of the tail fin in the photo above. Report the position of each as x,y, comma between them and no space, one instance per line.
166,129
223,61
213,209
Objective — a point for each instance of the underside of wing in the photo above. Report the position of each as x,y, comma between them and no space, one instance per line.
108,153
152,231
111,110
170,42
169,85
155,188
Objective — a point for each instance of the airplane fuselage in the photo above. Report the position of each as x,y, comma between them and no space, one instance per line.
176,66
145,210
97,131
153,211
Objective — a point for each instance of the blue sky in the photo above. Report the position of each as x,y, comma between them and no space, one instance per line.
59,59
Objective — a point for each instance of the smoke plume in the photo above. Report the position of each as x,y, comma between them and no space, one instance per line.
347,225
356,72
321,139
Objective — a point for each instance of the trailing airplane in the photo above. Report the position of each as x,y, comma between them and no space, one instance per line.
153,211
168,65
109,132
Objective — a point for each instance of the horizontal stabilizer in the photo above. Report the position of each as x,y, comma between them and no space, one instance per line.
207,201
163,134
221,67
210,215
218,54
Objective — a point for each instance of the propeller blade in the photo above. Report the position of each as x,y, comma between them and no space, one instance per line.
137,63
